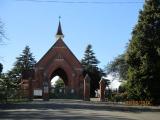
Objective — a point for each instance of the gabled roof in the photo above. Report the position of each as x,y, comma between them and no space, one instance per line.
61,45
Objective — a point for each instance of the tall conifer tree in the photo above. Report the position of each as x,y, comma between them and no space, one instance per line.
143,55
89,59
24,62
90,65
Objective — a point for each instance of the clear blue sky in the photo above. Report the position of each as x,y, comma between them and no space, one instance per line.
107,27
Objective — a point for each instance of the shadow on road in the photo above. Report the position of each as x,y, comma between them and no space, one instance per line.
65,114
69,110
75,105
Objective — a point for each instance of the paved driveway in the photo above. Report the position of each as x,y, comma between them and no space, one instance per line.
75,110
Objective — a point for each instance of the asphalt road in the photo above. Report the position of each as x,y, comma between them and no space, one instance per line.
75,110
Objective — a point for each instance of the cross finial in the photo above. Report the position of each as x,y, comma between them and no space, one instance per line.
59,18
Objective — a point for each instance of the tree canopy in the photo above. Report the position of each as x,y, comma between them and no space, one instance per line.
118,68
89,59
59,84
24,62
1,68
143,54
2,31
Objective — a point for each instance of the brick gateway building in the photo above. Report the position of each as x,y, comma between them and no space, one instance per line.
58,61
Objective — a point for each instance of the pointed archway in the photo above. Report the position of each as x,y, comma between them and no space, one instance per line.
62,74
59,87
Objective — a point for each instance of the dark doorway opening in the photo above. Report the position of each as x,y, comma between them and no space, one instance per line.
58,83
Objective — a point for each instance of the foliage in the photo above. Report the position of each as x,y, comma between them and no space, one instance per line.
143,55
119,97
7,89
1,68
123,87
59,84
14,75
90,65
59,89
2,33
89,59
10,82
24,62
118,67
